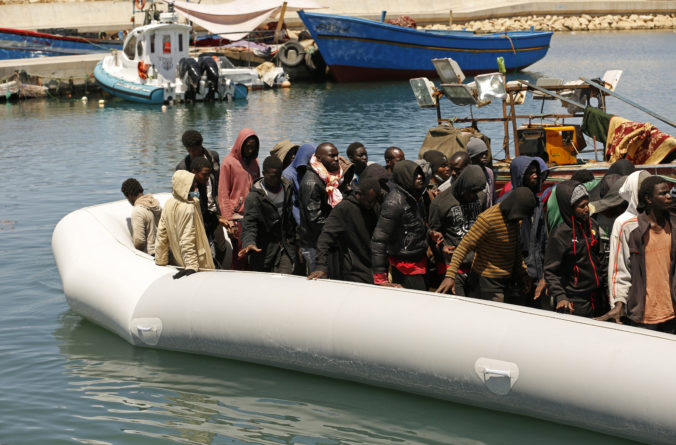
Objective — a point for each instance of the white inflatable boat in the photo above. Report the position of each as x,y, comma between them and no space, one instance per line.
601,376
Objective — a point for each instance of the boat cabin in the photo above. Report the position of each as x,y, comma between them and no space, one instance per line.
156,49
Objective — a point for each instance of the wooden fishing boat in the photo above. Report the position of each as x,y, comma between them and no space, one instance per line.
21,44
559,143
357,49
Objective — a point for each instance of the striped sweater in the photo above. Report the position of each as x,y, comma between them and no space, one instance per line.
496,245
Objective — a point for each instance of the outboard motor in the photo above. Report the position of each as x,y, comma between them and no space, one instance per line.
190,73
209,67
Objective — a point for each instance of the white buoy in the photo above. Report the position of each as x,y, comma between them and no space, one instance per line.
164,108
84,99
101,101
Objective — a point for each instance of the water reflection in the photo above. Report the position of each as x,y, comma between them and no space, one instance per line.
202,400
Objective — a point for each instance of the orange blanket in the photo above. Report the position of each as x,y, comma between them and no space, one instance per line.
641,143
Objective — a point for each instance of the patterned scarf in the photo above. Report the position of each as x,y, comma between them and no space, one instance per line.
332,180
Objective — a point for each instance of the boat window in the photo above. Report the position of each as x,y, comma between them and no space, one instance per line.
130,48
180,42
152,43
166,44
139,48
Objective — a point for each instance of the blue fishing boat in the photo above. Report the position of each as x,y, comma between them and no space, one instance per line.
22,44
357,49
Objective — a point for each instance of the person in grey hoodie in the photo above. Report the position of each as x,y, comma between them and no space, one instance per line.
144,216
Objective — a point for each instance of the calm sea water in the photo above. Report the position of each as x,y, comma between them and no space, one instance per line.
65,380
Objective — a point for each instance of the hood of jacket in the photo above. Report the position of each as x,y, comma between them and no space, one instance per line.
564,193
181,183
282,148
610,199
303,156
629,190
471,179
520,204
149,202
623,167
236,151
404,174
518,167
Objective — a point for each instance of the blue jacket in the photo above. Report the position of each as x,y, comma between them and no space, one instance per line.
294,173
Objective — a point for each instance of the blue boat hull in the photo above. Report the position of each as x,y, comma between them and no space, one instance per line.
20,44
123,89
358,50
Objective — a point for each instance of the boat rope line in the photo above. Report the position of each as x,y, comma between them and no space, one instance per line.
510,42
443,48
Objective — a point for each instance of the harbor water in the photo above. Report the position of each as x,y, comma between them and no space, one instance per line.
66,380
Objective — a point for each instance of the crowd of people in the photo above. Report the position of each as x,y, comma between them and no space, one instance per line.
592,247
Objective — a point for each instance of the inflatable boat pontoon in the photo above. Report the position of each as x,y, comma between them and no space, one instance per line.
600,376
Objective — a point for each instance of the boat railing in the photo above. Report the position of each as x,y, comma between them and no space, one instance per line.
509,113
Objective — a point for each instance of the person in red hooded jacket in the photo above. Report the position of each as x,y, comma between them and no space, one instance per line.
238,172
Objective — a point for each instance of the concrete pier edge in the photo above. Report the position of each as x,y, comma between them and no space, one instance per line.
107,15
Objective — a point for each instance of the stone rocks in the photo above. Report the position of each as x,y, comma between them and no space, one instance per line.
583,22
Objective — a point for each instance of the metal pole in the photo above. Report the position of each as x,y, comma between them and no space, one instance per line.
624,99
505,141
558,96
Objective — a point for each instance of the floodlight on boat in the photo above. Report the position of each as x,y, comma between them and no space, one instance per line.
544,82
459,93
448,70
490,86
611,78
423,89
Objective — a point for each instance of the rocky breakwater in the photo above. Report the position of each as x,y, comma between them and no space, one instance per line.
584,22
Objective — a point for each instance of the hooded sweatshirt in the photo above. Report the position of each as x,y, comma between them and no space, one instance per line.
295,172
264,226
619,272
495,238
533,229
401,231
181,229
236,178
144,219
348,229
573,267
449,214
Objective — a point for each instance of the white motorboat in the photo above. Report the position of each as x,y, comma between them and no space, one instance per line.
596,375
155,67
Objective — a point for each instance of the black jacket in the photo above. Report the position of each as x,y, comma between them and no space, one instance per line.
264,227
637,292
314,207
214,160
454,218
348,230
401,231
573,266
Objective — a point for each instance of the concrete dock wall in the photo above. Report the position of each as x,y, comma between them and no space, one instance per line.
107,15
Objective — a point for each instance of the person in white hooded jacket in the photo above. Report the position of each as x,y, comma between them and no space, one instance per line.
181,229
619,272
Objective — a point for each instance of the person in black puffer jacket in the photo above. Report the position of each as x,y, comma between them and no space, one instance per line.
268,226
400,237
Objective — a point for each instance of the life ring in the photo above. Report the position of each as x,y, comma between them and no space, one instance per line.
140,4
143,69
291,54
